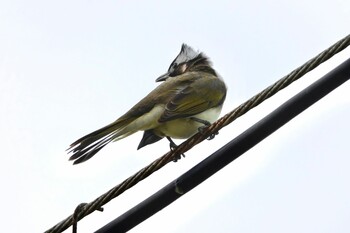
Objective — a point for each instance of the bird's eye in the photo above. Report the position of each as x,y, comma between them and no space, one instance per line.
172,67
177,69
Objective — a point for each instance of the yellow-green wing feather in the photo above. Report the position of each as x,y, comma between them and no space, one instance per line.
202,94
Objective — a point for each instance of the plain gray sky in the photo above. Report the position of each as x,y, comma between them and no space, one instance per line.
70,67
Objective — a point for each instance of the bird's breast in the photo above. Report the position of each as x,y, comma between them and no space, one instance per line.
185,127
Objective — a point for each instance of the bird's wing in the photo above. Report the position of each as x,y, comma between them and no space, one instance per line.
202,94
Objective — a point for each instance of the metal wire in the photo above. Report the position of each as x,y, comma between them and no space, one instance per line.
191,142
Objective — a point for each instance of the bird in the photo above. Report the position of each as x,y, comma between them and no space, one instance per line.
189,98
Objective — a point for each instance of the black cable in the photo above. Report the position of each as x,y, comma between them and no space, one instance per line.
230,151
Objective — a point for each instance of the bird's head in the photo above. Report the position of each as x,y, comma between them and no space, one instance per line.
186,61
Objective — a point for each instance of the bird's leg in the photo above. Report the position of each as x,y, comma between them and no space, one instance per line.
172,147
206,124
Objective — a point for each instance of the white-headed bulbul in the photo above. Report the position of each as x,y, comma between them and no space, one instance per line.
190,97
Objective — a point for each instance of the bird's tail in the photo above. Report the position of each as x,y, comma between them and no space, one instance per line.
87,146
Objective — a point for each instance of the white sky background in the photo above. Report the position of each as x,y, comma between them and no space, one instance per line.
70,67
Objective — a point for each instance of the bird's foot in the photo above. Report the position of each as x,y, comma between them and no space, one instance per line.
173,146
203,128
206,124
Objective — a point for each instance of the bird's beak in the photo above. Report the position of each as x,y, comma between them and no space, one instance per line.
163,77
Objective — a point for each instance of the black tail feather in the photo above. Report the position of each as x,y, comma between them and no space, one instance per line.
86,147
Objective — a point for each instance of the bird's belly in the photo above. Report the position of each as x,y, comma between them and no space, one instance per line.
185,127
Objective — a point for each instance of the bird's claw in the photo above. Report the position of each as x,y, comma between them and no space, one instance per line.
206,124
203,128
173,146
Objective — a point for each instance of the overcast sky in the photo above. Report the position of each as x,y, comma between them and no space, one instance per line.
70,67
